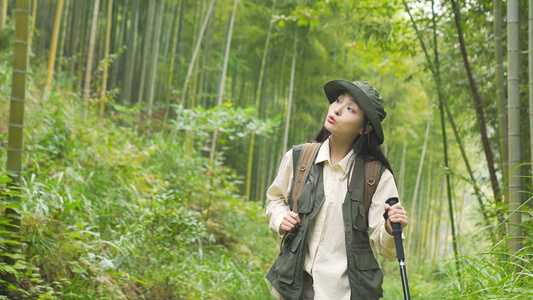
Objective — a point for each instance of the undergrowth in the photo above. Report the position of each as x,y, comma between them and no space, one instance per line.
111,212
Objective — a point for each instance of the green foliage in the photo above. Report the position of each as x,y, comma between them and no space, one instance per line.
111,214
232,122
125,207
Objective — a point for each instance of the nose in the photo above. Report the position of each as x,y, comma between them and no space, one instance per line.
337,111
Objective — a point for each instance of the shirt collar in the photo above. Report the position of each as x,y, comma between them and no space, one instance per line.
324,154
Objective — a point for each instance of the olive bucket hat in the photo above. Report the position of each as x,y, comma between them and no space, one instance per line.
365,96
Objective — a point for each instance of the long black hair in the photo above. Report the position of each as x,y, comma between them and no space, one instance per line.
366,144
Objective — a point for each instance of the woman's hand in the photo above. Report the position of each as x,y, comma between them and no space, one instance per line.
290,221
397,214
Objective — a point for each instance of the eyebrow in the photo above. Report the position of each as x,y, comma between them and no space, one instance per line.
344,93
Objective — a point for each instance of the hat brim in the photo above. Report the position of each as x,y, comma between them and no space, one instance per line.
334,88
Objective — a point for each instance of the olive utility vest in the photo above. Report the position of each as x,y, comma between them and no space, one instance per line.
364,274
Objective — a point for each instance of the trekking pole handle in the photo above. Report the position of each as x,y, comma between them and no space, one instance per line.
396,227
397,233
396,230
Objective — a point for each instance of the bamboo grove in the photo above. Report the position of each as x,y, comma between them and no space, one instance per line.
238,82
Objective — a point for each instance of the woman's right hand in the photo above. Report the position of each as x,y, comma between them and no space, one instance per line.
290,221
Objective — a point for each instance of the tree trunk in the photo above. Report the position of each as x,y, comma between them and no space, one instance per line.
61,50
415,209
291,90
435,69
90,53
196,51
75,37
257,101
223,77
163,89
16,121
439,226
130,54
3,13
103,97
201,81
53,48
500,96
147,41
530,56
119,42
479,106
515,184
473,181
175,45
32,25
401,185
155,57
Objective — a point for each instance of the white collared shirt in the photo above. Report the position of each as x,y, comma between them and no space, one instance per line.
325,257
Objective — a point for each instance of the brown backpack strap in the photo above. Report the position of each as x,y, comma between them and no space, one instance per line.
305,162
372,177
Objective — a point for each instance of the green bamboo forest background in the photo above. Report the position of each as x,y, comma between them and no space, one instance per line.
140,138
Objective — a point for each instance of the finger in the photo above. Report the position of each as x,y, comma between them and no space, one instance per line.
396,206
298,220
289,221
287,226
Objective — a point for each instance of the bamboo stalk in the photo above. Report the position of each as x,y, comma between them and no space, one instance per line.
53,49
32,24
155,57
500,95
530,59
291,90
257,99
103,97
196,51
88,69
16,120
131,54
515,184
223,77
147,42
3,13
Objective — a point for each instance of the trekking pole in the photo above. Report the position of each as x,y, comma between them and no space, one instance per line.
397,233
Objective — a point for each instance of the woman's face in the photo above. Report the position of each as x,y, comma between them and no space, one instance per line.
345,118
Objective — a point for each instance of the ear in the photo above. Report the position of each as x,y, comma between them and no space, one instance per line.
368,129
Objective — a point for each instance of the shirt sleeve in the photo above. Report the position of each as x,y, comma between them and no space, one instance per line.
382,240
278,193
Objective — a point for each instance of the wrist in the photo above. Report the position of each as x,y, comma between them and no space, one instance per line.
388,227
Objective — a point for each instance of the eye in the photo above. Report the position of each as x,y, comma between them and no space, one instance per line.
338,100
351,109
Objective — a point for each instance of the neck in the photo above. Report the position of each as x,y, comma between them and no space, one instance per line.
338,148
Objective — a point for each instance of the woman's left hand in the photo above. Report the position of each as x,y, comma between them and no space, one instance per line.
397,214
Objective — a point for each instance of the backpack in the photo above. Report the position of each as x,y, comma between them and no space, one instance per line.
306,159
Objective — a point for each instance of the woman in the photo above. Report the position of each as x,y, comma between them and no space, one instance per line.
328,253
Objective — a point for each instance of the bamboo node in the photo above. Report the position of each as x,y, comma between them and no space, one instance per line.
18,100
20,42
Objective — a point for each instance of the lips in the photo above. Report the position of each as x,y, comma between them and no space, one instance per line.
331,119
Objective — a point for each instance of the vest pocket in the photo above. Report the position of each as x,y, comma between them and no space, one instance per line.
367,261
359,216
305,205
287,261
370,276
